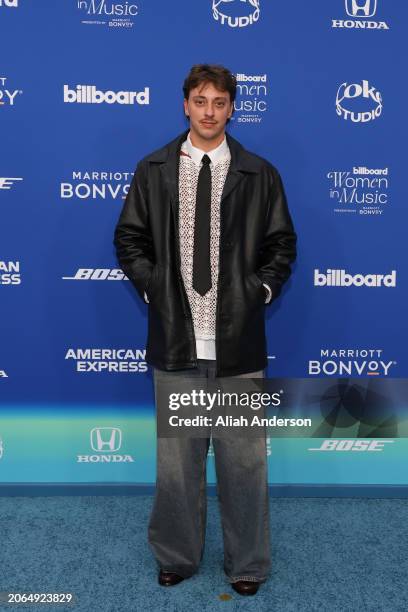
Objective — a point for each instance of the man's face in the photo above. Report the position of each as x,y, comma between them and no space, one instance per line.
208,109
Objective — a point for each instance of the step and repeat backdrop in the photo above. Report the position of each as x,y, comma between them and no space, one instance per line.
88,88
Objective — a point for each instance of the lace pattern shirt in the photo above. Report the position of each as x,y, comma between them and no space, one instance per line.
203,308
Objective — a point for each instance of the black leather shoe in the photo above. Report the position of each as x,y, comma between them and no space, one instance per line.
245,587
169,578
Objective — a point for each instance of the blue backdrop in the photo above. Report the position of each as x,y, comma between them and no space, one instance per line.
87,88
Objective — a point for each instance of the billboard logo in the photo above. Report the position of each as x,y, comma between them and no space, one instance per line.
340,278
106,439
244,12
361,8
88,94
363,94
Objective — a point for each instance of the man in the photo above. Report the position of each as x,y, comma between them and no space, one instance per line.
207,240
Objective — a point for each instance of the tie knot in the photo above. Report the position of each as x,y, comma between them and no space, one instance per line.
206,160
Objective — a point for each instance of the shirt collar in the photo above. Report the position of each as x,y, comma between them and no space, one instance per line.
196,154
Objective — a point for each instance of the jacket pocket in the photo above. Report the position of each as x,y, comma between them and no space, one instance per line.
152,283
256,287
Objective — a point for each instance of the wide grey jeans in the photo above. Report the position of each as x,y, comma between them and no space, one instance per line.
176,531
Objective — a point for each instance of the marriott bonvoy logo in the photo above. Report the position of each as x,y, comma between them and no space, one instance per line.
7,94
341,278
89,94
351,362
95,185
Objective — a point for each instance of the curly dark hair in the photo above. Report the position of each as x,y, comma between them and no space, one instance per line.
219,76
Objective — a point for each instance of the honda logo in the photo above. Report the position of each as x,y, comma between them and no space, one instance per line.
106,439
361,8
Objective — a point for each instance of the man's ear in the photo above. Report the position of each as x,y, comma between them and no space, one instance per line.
186,108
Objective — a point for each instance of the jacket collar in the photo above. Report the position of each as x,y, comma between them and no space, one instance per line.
242,162
241,159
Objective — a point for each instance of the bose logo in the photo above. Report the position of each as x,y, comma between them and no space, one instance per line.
352,445
97,274
7,182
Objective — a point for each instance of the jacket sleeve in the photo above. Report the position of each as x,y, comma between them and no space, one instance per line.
132,239
278,249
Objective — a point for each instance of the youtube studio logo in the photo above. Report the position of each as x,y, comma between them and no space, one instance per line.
349,94
341,278
236,14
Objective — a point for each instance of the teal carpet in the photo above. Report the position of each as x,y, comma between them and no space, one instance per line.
328,555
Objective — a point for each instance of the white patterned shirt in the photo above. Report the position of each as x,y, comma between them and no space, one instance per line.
203,307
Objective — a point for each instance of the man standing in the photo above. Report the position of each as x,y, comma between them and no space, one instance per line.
207,240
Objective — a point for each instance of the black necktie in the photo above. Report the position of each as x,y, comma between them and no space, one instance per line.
202,230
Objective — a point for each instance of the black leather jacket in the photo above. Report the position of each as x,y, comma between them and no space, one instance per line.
257,244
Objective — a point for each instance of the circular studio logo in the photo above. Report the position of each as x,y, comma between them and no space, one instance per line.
358,103
236,14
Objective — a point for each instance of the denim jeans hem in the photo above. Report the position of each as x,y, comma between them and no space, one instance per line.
179,571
